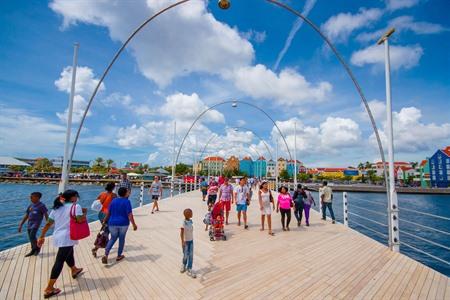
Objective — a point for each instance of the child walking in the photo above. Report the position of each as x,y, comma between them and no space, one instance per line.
36,211
187,243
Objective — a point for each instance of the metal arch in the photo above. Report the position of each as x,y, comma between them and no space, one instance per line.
350,74
262,140
274,2
222,103
207,143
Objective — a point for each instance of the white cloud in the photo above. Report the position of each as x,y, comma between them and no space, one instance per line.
401,56
22,133
182,107
152,157
399,4
339,27
185,40
378,109
84,86
116,99
412,135
329,137
253,35
401,24
288,87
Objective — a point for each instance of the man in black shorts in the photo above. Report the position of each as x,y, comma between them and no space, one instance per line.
156,193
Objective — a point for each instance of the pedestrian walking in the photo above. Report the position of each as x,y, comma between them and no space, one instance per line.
60,218
187,243
298,204
308,201
204,188
284,205
242,199
119,216
125,182
105,198
34,214
226,195
326,199
266,203
156,191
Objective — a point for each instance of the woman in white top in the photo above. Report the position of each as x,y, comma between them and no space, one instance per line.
266,204
60,217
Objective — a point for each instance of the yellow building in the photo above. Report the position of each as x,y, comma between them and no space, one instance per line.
281,164
232,164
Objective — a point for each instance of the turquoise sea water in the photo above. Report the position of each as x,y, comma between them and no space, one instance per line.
362,206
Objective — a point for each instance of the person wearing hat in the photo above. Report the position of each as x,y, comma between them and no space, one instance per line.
266,204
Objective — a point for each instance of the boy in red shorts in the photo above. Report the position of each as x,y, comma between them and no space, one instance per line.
226,195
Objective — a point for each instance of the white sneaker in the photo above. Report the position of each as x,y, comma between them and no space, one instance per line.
183,269
191,274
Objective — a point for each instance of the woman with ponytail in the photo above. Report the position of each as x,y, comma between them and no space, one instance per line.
60,218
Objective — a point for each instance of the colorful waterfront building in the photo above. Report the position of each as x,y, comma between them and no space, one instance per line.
246,166
271,169
290,166
260,167
440,168
281,165
424,170
213,164
232,164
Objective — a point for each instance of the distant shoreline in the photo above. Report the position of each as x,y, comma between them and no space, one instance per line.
314,186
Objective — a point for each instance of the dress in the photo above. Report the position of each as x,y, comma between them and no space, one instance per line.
266,207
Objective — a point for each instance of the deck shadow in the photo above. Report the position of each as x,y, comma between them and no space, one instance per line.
96,282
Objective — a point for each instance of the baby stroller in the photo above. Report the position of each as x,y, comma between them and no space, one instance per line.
216,230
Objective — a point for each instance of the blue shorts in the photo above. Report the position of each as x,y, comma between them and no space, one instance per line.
241,207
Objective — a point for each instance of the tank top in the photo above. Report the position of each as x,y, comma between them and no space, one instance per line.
265,197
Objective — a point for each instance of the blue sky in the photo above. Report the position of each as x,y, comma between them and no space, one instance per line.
198,55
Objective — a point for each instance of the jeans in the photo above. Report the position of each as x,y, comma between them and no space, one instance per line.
117,232
64,255
33,241
306,208
188,254
298,210
330,208
285,214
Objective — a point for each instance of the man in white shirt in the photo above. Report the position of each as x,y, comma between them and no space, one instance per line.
242,198
326,197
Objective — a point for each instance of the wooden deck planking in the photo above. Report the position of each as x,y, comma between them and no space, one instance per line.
323,261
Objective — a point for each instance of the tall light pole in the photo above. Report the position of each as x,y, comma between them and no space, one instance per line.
394,240
295,154
173,161
65,162
276,166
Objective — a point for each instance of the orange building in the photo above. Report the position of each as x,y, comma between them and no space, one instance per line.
232,164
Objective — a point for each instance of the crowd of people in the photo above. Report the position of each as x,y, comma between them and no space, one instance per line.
115,215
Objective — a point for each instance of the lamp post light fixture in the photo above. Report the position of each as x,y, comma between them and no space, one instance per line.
234,104
224,4
394,240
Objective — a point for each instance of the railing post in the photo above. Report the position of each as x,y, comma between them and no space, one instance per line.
185,186
141,195
345,203
179,188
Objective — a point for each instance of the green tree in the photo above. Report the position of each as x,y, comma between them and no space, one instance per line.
284,175
43,165
99,161
109,163
360,166
302,177
368,165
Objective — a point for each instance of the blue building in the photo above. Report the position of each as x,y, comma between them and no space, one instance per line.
290,166
246,166
260,167
351,172
440,168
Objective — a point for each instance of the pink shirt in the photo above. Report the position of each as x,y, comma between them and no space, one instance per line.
285,201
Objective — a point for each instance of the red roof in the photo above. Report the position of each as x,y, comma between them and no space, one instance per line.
446,150
423,162
261,158
214,158
332,169
247,158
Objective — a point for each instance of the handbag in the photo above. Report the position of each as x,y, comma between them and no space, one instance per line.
102,238
270,197
78,229
96,205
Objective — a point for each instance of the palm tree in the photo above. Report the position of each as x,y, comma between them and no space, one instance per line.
368,165
109,163
99,161
360,166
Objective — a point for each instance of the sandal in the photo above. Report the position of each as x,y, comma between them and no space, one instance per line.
74,276
54,292
94,252
120,257
104,260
